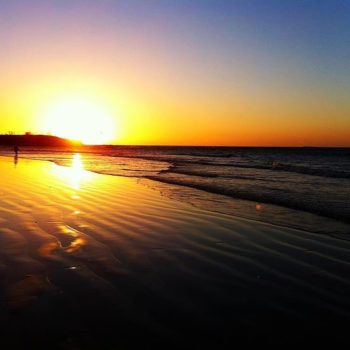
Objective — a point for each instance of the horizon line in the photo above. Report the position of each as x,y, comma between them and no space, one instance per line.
171,145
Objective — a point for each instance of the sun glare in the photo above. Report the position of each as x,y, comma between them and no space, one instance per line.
80,119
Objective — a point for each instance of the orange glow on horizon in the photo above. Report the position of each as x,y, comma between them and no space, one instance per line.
95,113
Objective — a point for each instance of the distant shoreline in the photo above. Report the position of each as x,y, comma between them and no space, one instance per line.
34,140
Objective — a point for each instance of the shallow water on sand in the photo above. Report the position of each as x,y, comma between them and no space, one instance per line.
304,188
93,261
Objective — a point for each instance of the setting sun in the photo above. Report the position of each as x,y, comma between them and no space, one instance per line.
79,119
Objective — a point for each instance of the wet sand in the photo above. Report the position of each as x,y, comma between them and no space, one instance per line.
91,261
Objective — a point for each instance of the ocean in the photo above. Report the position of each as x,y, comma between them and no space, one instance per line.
302,188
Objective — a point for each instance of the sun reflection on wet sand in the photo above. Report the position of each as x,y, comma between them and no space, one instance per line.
75,175
73,239
75,245
77,171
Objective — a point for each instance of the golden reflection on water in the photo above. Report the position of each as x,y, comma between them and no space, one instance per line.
77,171
76,241
68,231
75,175
75,245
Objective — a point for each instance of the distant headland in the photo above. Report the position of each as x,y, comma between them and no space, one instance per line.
32,140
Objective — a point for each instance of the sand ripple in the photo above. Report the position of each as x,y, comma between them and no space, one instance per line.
82,266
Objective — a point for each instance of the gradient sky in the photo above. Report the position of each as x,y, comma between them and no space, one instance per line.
211,72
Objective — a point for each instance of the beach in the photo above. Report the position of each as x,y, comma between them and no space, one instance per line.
91,261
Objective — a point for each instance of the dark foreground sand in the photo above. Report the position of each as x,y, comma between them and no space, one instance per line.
99,262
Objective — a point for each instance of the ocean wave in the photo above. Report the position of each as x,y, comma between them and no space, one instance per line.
304,199
271,165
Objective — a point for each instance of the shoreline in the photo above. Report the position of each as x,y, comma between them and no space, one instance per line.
264,212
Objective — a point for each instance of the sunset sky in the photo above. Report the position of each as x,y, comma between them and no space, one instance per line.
178,72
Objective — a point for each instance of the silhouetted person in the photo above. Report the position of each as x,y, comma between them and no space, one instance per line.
15,160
